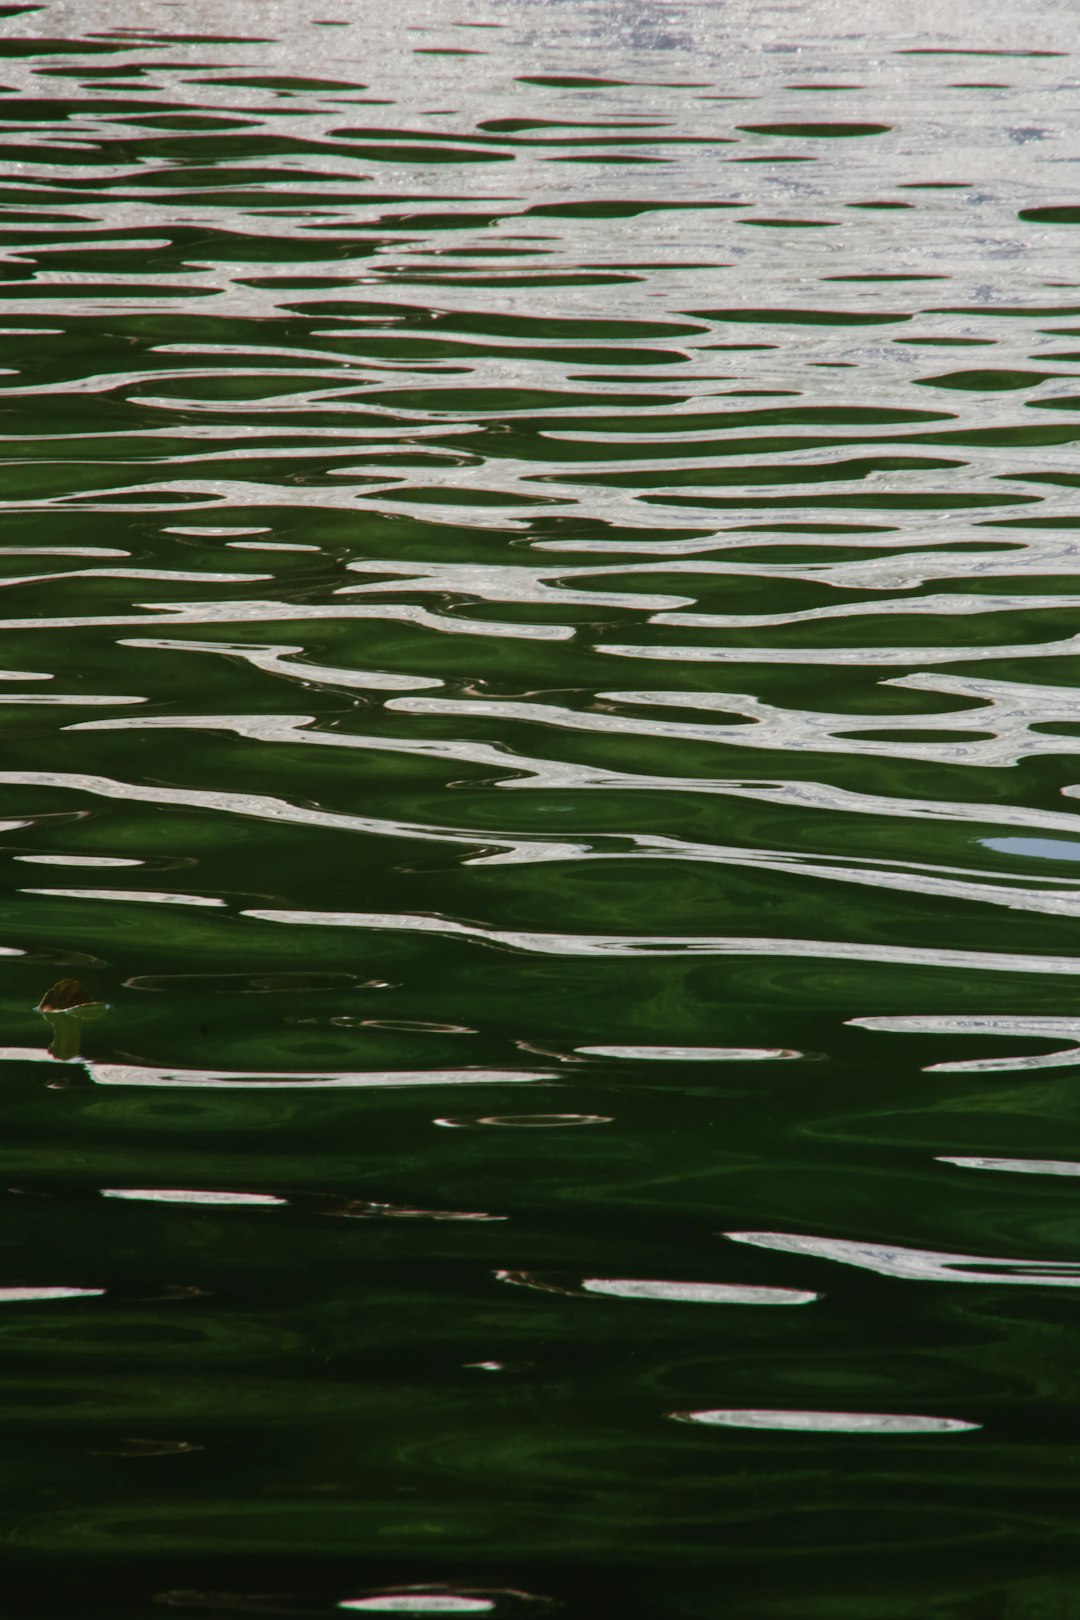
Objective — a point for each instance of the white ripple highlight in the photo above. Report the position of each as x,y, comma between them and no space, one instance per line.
69,700
1005,1025
143,1074
549,944
278,661
692,1054
1000,731
810,1422
79,860
525,772
128,1074
419,1603
691,1293
501,582
156,897
918,1265
264,807
203,613
1018,1167
957,606
28,1296
866,657
174,576
177,1195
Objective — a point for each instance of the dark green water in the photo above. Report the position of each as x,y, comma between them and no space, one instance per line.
540,684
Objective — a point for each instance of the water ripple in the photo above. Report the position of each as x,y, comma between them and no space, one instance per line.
610,405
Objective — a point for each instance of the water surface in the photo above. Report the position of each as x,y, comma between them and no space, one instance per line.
541,688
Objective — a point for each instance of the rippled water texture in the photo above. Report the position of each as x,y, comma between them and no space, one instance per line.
542,698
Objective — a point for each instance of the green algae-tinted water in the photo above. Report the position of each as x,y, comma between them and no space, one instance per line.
540,685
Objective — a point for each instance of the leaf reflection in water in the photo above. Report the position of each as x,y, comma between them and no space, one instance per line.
66,1007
